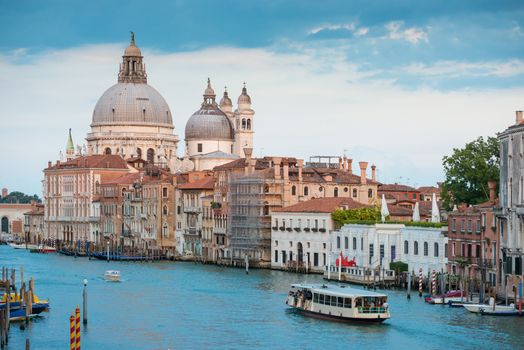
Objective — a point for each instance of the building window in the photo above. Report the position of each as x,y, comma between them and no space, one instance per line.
371,253
470,229
463,225
435,249
370,193
477,251
354,243
335,192
354,193
445,250
415,248
199,147
306,191
164,192
454,225
293,190
108,150
477,229
276,255
243,124
139,152
406,247
249,124
381,253
414,196
164,210
266,188
150,155
426,249
338,242
346,243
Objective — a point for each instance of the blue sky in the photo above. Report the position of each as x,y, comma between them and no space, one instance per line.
370,72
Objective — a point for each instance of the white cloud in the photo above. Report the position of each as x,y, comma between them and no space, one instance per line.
457,69
304,105
412,34
316,30
361,31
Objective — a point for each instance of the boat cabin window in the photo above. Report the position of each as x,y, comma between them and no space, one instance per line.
347,303
332,300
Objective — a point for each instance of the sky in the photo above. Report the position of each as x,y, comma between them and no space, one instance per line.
398,84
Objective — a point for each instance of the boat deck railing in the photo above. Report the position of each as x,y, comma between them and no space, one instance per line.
372,310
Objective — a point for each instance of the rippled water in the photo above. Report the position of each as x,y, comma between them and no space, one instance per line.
188,306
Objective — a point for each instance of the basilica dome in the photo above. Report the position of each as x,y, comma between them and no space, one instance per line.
209,122
133,104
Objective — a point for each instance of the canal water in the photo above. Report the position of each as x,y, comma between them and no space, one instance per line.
166,305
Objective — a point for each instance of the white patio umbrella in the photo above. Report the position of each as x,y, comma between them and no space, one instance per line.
384,208
416,213
435,213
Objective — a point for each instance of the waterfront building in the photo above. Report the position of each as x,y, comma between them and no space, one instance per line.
193,190
396,192
12,217
473,241
300,233
34,223
132,119
427,192
377,245
257,186
70,190
511,214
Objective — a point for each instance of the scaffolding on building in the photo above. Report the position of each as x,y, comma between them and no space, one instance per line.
249,221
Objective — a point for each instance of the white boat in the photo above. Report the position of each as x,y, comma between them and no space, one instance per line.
112,275
340,303
492,309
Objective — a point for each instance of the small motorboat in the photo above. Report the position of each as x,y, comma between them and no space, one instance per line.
492,309
17,311
451,296
112,275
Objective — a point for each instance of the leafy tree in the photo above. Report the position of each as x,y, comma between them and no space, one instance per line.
341,216
19,197
468,171
398,267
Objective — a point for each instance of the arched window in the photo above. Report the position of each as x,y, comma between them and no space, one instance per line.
415,249
335,192
139,152
426,249
406,247
293,190
338,242
123,192
435,249
370,193
164,210
243,124
150,155
306,191
108,150
249,124
320,189
354,243
346,243
266,188
354,193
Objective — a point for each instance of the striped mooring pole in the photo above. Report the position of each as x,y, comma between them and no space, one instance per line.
77,325
72,332
433,283
420,282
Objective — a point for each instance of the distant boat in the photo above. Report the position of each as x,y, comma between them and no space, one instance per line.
22,246
112,275
17,312
44,249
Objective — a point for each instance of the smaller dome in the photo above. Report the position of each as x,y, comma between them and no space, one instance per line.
132,50
209,90
244,98
226,101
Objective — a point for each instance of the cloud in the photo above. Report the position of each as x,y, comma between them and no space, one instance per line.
329,27
413,34
336,31
457,69
309,101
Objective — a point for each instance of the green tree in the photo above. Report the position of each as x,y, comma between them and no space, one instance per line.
468,171
19,197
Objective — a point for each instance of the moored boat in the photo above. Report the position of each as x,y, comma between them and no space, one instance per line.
451,296
492,309
339,303
112,275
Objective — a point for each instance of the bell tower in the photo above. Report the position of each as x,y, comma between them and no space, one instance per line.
244,126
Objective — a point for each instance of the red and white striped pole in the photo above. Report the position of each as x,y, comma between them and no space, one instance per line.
77,330
72,332
433,283
420,282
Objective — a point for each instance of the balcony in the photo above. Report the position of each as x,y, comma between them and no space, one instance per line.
473,261
196,210
192,231
219,230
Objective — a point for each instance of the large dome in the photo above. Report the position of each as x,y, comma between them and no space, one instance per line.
132,104
209,123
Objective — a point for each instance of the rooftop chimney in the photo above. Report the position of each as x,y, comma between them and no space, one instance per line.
276,166
300,163
520,119
342,163
350,165
492,186
363,168
49,163
374,172
248,152
285,170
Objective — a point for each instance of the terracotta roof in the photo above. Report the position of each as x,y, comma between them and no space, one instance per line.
37,210
429,189
99,161
126,179
206,183
396,188
321,205
398,210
